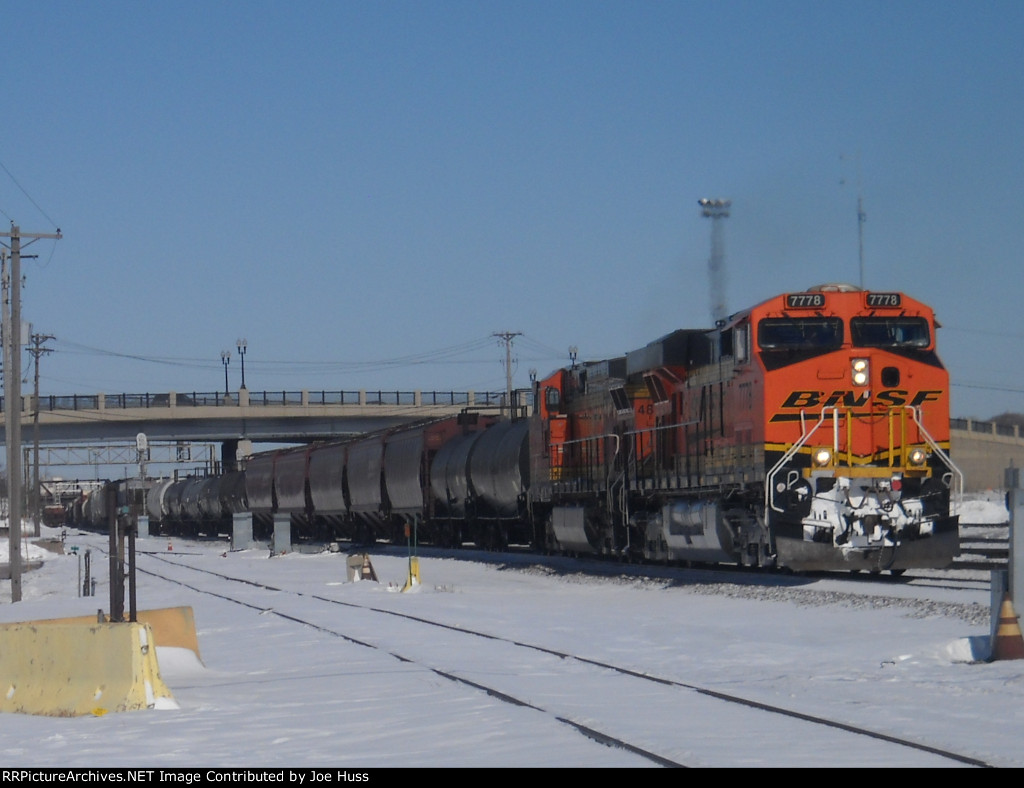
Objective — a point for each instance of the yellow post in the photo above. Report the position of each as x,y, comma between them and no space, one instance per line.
414,561
414,573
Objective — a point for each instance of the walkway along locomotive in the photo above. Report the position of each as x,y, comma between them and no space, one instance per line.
809,432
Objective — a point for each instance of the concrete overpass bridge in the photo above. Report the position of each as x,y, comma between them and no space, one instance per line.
235,421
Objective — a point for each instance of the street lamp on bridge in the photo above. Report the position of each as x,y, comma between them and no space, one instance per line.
225,357
241,344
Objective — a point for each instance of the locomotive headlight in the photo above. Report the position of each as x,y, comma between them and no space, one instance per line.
917,457
822,457
860,372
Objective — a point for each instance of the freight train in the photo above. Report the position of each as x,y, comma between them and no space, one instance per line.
809,432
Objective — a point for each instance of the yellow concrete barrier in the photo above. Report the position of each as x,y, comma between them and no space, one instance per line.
60,669
172,626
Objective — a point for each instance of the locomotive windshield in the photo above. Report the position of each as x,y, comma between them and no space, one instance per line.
897,332
800,333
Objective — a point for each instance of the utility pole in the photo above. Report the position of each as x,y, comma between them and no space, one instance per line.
12,396
37,350
507,337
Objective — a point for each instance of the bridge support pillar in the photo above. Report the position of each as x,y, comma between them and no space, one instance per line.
282,533
229,456
241,531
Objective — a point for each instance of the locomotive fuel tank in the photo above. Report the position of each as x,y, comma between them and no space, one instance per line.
569,524
688,531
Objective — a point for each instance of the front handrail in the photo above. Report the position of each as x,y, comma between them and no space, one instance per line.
956,474
769,491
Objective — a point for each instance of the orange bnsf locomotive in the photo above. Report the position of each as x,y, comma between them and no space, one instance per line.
809,432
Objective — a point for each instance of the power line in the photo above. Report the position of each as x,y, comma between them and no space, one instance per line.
28,196
987,387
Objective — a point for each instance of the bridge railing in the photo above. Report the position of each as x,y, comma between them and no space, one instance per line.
986,427
70,402
304,397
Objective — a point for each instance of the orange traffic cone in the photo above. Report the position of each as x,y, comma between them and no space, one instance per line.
1008,644
170,547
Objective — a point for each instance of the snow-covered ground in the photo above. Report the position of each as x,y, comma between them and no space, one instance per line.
269,692
983,508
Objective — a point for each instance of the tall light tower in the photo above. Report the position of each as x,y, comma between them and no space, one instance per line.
716,210
861,218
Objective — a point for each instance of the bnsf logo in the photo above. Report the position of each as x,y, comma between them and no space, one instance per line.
851,399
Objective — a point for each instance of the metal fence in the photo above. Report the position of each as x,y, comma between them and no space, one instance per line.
985,427
267,398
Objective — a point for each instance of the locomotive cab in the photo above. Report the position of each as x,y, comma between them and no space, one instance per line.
857,432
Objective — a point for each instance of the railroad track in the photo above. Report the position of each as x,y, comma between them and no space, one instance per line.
533,676
983,547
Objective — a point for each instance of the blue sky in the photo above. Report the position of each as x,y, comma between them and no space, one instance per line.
369,191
